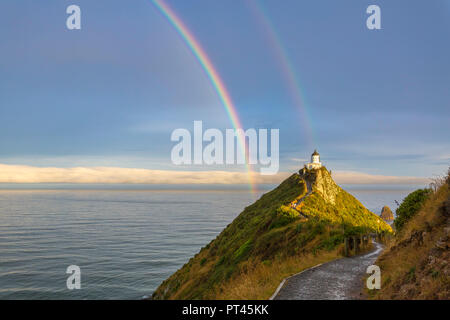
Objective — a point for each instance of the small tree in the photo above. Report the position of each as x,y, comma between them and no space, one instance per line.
410,206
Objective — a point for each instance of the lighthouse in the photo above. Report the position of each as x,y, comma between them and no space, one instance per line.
315,161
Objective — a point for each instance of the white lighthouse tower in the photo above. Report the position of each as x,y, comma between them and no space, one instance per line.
315,161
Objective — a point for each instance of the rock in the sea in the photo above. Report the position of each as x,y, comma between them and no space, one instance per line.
386,214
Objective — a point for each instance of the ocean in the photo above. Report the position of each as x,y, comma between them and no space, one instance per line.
126,241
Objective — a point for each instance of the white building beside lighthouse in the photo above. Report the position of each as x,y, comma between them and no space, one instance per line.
315,161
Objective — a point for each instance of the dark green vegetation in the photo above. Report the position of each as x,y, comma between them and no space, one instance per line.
269,232
410,206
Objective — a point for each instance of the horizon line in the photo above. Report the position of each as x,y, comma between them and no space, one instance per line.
25,174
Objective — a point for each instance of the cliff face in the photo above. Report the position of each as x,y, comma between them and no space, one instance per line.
386,214
330,202
322,183
272,239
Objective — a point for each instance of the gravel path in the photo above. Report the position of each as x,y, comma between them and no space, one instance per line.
308,192
336,280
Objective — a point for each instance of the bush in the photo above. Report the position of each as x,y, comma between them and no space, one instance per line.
283,216
221,261
267,262
243,250
410,206
288,212
331,242
320,227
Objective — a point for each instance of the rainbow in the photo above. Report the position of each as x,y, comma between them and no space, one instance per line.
212,74
287,68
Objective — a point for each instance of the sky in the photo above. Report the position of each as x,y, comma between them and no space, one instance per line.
375,103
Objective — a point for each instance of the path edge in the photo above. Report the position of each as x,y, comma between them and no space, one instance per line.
285,279
316,266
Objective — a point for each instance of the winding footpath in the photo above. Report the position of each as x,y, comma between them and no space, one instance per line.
335,280
308,192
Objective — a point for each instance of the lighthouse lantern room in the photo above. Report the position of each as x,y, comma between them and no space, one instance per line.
315,161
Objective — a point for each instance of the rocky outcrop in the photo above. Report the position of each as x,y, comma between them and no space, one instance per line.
386,214
321,181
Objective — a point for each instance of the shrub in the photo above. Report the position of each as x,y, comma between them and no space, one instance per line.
411,275
221,261
331,242
319,227
243,250
288,212
283,216
409,207
267,262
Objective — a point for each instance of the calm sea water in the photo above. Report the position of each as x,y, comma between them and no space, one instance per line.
126,242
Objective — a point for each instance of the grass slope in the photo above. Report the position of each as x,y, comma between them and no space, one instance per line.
269,241
415,264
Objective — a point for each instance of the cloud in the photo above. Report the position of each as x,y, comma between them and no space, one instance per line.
30,174
299,159
106,175
354,177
